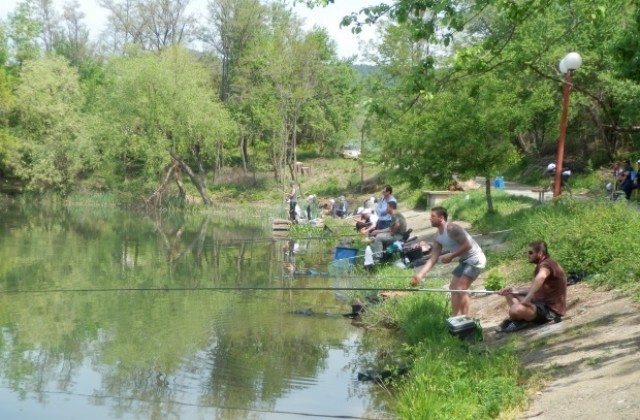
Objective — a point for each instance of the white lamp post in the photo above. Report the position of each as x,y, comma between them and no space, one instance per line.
568,65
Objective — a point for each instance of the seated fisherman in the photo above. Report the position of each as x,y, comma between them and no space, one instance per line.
340,210
364,220
393,233
328,207
545,300
384,218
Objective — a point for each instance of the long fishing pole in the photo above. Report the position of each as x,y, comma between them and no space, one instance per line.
257,288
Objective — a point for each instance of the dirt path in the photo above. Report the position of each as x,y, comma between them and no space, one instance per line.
591,358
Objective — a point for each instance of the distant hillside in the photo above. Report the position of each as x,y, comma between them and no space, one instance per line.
365,69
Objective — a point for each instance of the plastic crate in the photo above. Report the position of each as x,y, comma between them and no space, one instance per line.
346,254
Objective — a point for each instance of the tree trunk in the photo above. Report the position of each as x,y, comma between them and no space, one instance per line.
202,174
487,188
243,152
164,182
178,178
194,179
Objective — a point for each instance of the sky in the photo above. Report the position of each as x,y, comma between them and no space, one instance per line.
328,17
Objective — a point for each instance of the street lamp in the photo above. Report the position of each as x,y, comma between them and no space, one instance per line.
568,64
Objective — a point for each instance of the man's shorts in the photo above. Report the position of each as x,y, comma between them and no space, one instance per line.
467,270
544,314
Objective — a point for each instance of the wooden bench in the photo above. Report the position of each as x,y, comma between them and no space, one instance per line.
436,197
302,169
540,191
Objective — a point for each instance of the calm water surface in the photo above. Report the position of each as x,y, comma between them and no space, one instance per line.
106,314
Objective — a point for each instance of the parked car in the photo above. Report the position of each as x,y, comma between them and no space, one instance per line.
350,152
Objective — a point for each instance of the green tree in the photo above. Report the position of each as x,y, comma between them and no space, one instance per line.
151,24
54,147
24,30
329,113
165,118
4,46
7,140
232,25
291,85
72,40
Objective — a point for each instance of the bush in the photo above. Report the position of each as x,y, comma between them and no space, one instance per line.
494,281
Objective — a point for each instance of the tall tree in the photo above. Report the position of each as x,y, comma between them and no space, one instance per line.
53,144
24,30
232,25
7,140
328,115
72,40
43,11
151,24
4,45
164,117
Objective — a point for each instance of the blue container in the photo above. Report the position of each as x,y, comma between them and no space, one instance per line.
499,183
346,254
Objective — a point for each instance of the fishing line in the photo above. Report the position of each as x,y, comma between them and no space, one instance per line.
187,404
327,235
252,288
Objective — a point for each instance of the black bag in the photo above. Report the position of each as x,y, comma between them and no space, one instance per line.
573,278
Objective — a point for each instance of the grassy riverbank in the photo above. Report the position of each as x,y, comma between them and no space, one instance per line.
450,379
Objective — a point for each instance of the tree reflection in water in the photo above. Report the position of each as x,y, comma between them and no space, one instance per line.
159,353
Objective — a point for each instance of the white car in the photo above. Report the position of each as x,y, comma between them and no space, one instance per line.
350,152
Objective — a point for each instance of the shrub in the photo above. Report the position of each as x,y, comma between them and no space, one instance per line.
494,281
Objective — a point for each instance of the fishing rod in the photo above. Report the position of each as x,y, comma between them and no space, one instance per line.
259,288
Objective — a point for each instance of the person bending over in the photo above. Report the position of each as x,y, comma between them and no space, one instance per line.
459,243
545,300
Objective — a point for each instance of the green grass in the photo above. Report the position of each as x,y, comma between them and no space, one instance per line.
451,379
448,378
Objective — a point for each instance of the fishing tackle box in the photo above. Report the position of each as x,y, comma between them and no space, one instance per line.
463,327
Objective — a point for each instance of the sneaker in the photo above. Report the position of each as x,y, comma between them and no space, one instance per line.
503,324
515,326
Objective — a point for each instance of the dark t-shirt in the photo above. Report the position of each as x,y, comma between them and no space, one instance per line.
554,289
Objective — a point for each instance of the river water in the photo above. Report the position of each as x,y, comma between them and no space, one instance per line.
107,314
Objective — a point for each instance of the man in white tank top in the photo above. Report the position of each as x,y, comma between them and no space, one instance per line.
459,243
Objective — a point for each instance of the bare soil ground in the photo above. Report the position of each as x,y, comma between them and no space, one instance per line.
590,360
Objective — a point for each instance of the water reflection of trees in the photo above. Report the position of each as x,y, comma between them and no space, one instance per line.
155,351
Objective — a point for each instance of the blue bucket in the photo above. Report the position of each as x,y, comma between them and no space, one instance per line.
346,254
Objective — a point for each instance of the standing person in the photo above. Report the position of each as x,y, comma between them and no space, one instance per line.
545,300
293,200
384,218
459,243
393,233
626,180
617,172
